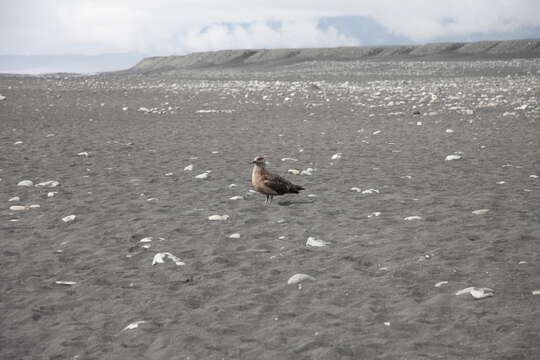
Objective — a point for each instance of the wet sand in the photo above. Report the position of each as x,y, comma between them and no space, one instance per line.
392,125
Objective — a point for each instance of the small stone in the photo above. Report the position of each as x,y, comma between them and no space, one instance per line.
18,208
293,171
453,157
84,154
25,183
480,211
189,167
67,283
51,193
236,198
133,325
415,217
235,236
50,183
336,156
313,242
69,218
218,217
15,198
441,283
298,278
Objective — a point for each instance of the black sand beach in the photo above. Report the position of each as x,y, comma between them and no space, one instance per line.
397,216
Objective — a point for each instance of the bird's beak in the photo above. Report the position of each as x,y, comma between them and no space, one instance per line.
253,161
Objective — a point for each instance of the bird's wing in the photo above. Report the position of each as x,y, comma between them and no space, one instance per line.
277,183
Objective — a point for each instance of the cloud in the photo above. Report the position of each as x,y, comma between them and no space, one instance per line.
179,26
289,34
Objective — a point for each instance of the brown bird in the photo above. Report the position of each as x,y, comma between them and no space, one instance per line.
270,184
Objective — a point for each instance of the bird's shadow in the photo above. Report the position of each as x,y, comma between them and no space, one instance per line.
289,202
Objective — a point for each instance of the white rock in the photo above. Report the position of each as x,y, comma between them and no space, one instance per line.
357,189
52,193
370,191
67,283
84,154
232,186
68,218
308,172
289,159
235,236
34,206
218,217
374,214
15,198
312,195
298,278
50,183
480,211
236,198
169,174
146,239
477,293
17,142
293,171
2,97
25,183
133,325
415,217
449,131
536,292
313,242
453,157
204,175
189,167
376,132
441,283
533,176
336,156
18,208
387,323
125,108
159,258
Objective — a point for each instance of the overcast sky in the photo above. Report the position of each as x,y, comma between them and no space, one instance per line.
161,27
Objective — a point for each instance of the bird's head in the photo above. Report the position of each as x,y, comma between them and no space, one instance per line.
259,161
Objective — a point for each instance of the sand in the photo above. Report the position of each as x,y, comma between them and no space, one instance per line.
396,219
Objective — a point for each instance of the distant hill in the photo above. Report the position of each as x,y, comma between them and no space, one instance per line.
40,64
529,48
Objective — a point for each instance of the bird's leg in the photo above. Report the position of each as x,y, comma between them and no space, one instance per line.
271,198
266,201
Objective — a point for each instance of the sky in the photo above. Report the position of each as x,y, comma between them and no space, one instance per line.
165,27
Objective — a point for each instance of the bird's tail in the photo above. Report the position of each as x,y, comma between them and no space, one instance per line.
295,189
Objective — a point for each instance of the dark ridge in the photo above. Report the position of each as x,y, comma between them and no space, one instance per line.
269,58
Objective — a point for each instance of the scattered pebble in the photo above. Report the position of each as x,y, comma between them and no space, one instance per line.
533,176
133,325
357,189
159,258
68,218
26,183
298,278
236,198
386,323
477,293
370,191
189,167
415,217
67,283
312,195
480,211
536,292
204,175
18,208
293,171
218,217
50,183
169,174
146,239
449,131
453,157
308,172
313,242
289,159
15,198
17,142
84,154
374,214
441,283
336,156
52,193
235,236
